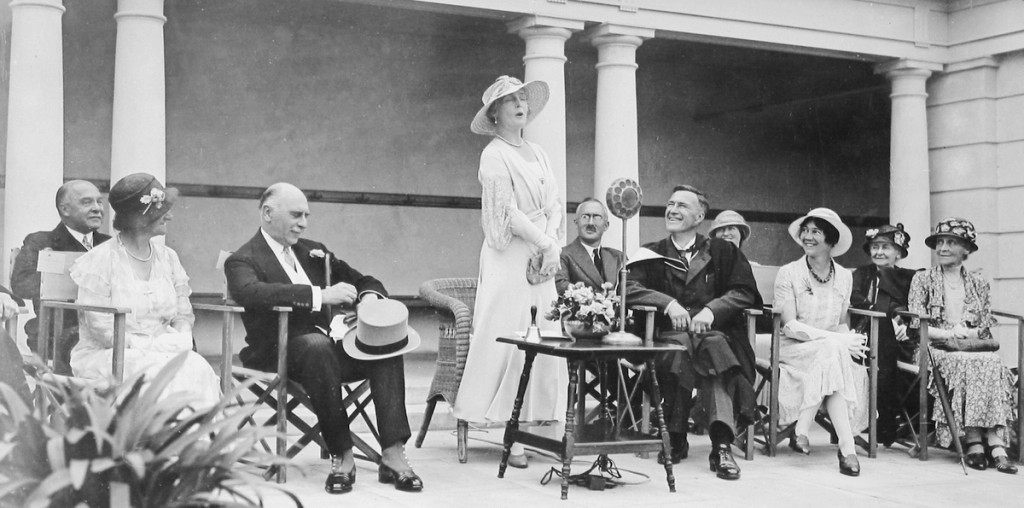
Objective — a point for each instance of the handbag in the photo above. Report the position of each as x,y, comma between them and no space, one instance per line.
533,273
967,345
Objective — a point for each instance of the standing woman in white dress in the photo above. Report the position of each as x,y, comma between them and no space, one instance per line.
522,221
135,272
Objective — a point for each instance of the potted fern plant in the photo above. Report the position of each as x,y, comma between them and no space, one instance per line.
126,445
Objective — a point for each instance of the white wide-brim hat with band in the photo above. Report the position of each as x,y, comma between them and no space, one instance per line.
537,94
381,331
827,215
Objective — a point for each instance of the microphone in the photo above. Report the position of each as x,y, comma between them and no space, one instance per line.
624,197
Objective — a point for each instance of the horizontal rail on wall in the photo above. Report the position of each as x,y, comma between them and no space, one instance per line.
451,202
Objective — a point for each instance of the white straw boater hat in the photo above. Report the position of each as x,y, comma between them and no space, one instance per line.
827,215
382,331
536,97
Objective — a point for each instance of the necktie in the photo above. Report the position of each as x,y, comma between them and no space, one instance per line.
287,253
599,264
87,242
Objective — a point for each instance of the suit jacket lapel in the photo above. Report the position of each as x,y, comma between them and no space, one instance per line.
64,241
313,266
585,262
700,259
267,258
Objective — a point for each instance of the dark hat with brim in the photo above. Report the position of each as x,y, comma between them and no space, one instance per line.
893,234
954,227
143,195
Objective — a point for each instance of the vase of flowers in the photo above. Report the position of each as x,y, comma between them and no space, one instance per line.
585,313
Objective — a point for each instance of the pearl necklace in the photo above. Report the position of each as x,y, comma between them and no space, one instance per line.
137,258
831,271
517,145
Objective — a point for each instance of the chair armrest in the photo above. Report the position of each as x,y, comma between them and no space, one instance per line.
753,312
868,313
643,308
89,308
217,307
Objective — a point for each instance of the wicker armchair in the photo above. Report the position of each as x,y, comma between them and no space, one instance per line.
454,299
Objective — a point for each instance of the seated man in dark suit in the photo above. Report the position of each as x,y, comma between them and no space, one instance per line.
278,268
700,287
585,260
81,213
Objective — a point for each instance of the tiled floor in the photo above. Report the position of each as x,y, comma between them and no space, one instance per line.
788,480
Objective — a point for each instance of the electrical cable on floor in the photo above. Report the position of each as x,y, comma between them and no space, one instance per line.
596,481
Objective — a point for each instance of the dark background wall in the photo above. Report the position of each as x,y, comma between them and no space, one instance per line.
339,97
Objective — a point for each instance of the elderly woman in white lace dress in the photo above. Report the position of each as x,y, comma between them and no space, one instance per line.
135,272
521,219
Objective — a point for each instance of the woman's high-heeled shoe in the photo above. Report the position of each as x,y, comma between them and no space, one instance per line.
849,465
801,444
407,481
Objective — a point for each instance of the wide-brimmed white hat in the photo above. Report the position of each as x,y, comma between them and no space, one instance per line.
827,215
537,94
382,331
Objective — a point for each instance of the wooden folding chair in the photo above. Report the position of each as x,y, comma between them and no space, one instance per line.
57,294
284,395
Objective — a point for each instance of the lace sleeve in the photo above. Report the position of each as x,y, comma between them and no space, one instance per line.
182,291
92,275
497,201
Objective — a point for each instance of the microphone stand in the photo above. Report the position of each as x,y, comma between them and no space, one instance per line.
622,337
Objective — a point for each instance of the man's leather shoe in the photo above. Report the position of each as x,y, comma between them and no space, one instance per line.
849,465
677,454
723,464
407,481
976,461
340,483
801,444
1003,465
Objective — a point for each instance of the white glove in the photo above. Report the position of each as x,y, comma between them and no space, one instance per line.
900,329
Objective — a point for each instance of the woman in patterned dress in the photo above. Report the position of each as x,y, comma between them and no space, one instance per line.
980,386
522,222
817,350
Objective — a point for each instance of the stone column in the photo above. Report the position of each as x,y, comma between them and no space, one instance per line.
909,181
615,132
35,121
545,61
138,141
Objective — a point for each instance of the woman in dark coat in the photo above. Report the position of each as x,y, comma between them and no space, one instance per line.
882,286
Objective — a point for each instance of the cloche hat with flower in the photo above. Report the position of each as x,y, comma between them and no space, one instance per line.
954,227
143,195
537,94
894,234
